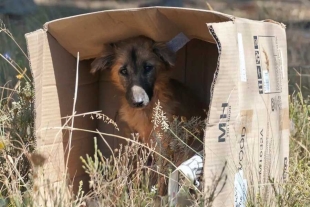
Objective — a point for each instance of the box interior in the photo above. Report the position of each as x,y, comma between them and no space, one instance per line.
195,67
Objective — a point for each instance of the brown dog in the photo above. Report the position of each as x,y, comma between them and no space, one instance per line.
140,68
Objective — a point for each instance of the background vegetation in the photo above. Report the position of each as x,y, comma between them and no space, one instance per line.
21,176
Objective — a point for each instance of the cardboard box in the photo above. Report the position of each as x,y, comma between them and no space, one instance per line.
238,66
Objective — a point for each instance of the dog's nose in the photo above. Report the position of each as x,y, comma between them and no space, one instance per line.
138,104
138,97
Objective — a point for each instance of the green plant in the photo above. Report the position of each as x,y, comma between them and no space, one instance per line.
17,131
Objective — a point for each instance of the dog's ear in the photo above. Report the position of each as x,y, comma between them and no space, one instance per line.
164,53
105,61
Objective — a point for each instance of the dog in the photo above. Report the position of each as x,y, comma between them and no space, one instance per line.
141,69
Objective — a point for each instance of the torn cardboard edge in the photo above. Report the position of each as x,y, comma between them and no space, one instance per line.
275,22
219,48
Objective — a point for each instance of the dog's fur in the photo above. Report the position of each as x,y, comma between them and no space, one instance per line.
140,68
147,80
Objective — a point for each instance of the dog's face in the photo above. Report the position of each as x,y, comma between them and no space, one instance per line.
135,64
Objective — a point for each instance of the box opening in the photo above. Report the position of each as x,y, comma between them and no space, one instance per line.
195,66
54,50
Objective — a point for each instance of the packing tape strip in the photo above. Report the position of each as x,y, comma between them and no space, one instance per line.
177,42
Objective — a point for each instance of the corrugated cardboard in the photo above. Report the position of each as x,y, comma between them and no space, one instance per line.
248,122
248,107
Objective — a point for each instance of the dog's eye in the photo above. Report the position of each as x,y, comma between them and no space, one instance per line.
123,71
148,68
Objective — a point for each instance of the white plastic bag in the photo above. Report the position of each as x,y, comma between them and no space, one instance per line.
192,169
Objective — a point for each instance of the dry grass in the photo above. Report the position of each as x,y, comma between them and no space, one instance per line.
123,179
116,181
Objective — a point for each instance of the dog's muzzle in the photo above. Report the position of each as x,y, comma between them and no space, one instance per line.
139,97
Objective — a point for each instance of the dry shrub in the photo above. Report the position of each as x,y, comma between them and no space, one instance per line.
117,180
17,139
125,178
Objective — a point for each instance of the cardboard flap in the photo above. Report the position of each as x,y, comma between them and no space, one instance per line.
46,97
248,121
87,33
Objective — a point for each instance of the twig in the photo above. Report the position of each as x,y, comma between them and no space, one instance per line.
74,104
19,72
184,142
8,33
82,114
193,135
301,145
105,141
209,6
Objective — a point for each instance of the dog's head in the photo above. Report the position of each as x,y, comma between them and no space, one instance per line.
135,64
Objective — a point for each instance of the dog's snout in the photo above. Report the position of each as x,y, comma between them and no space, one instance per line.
139,97
138,104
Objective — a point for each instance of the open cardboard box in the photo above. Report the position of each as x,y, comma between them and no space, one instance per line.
238,66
